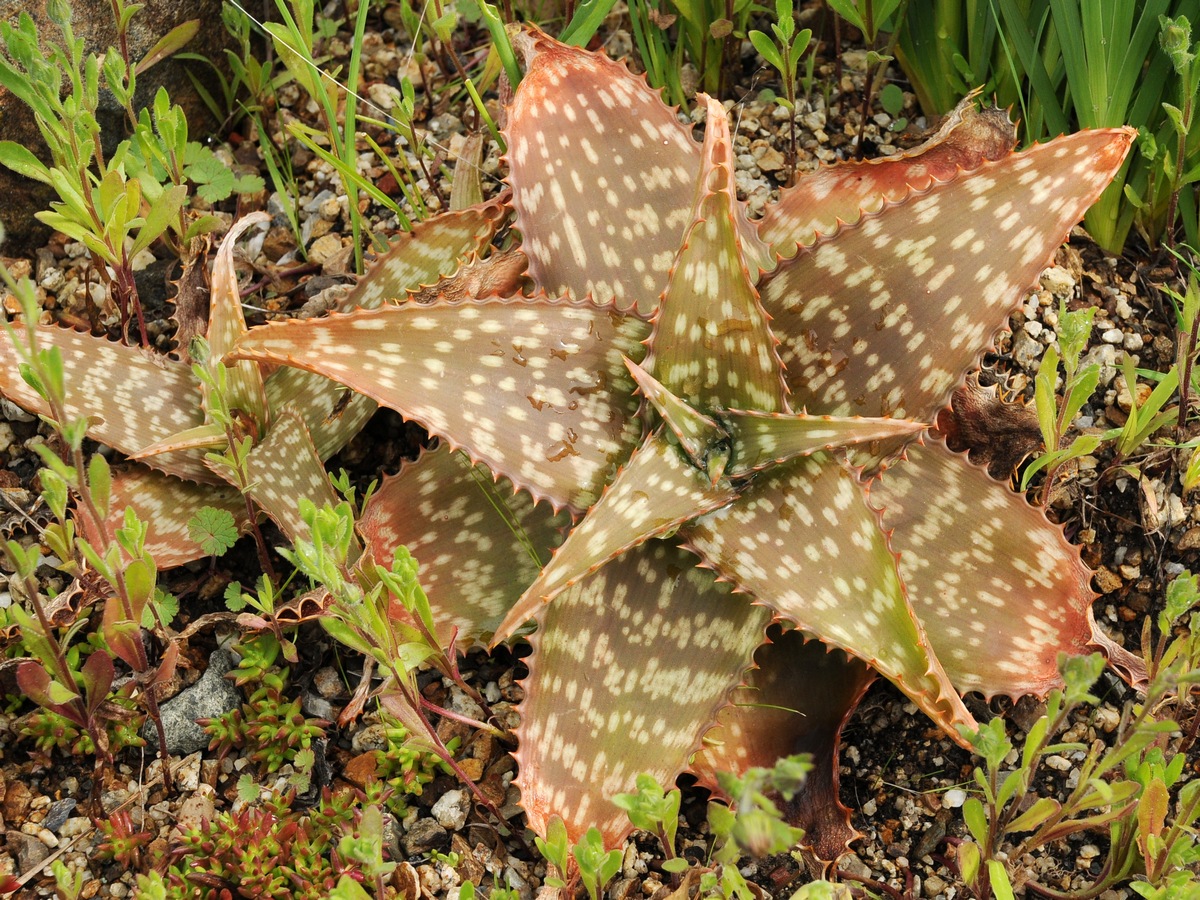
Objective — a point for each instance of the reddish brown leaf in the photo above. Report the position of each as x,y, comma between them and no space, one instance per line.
603,176
840,193
797,698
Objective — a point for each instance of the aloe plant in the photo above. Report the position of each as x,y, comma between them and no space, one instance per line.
709,508
158,411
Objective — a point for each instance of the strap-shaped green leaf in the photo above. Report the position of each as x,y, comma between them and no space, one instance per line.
760,440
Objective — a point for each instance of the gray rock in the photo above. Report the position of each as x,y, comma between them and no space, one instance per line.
423,836
1105,356
30,852
1058,281
1025,350
209,697
452,809
58,813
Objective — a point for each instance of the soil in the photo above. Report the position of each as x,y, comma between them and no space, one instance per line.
898,774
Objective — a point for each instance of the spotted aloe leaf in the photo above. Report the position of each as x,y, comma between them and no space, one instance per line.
477,542
153,408
965,560
131,396
533,388
633,234
647,634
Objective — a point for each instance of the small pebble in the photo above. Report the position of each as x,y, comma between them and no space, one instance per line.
954,798
42,834
1112,336
1058,763
452,809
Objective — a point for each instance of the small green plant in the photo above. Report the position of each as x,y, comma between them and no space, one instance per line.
294,38
98,203
122,841
784,54
384,614
1148,418
404,766
596,865
653,810
1125,789
270,849
751,824
272,729
1079,383
1172,152
585,860
55,679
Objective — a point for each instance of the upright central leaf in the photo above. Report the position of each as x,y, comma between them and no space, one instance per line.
711,344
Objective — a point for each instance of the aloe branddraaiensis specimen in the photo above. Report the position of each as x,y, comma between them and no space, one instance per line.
704,514
708,507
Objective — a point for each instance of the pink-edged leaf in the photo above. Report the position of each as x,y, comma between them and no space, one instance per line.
711,344
603,175
796,700
478,544
226,324
133,397
883,318
629,667
535,389
998,588
762,439
284,469
657,491
821,200
416,259
431,251
501,274
698,435
166,504
802,540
